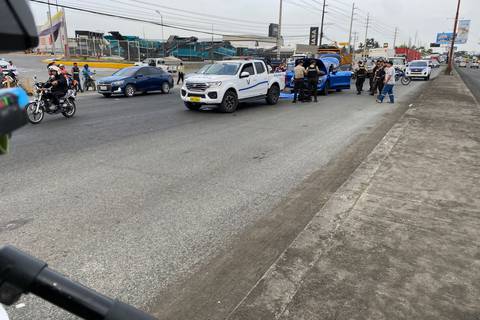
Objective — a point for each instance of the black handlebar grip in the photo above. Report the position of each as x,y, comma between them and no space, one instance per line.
122,311
18,272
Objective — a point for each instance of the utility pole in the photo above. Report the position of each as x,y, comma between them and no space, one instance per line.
321,26
355,38
351,26
52,38
65,34
279,31
395,38
366,35
415,39
163,35
452,46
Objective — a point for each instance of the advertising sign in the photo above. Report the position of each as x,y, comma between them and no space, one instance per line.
462,32
273,30
444,37
313,36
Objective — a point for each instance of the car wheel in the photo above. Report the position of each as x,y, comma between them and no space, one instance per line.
165,87
273,94
192,106
325,90
107,95
129,91
229,102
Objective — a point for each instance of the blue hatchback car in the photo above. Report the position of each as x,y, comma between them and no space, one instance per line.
131,80
333,78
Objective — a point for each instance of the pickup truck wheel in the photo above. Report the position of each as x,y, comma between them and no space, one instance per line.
273,94
229,103
192,106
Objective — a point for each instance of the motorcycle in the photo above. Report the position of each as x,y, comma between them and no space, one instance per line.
21,274
400,75
90,82
42,104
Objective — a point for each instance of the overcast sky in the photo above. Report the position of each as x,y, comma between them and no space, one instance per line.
424,17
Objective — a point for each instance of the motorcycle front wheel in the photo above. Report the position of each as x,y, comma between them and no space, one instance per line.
70,109
34,117
406,80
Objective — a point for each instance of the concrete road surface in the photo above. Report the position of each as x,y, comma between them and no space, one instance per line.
168,209
472,80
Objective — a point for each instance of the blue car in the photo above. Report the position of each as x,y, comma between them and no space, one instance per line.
131,80
333,79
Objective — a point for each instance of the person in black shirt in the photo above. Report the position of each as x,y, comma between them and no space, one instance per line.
361,74
378,78
76,77
313,73
58,85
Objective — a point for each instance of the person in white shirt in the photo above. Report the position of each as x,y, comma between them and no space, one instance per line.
389,83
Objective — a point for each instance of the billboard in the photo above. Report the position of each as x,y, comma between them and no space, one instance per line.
313,36
49,30
444,37
462,32
273,30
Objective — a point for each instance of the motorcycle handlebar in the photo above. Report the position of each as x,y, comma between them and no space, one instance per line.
21,273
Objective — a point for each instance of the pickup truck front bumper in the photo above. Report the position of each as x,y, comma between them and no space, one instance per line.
209,96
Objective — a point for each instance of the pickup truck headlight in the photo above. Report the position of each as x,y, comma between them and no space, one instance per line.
214,84
117,83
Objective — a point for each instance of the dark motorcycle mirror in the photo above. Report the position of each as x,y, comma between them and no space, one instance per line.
17,26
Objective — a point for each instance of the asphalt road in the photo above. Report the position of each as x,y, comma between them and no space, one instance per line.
133,196
472,79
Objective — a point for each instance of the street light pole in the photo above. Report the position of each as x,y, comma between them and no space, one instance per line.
452,46
52,37
366,35
279,31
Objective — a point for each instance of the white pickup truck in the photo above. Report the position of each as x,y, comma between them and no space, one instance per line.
226,83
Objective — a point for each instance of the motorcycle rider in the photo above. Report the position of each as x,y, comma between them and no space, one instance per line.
58,85
87,78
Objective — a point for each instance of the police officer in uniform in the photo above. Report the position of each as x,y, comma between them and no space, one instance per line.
313,73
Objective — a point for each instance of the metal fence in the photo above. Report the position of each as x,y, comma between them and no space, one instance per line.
127,50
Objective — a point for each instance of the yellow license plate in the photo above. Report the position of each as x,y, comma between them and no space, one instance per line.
195,99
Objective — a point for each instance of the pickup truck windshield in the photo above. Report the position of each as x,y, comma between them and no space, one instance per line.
418,64
223,69
203,69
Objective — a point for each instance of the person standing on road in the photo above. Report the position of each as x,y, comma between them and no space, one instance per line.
298,81
181,73
361,75
313,73
378,78
389,83
76,77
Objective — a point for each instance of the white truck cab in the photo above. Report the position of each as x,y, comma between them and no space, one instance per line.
419,69
226,83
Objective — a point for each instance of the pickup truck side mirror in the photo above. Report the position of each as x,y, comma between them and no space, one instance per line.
244,74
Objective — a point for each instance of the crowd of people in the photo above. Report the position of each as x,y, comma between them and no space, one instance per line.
73,77
381,79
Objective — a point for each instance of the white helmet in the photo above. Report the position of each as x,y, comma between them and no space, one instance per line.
54,68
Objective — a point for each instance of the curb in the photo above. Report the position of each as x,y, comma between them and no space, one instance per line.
93,64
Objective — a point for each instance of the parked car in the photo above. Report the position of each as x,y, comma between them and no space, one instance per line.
131,80
419,69
435,64
462,64
226,83
3,63
474,65
334,79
